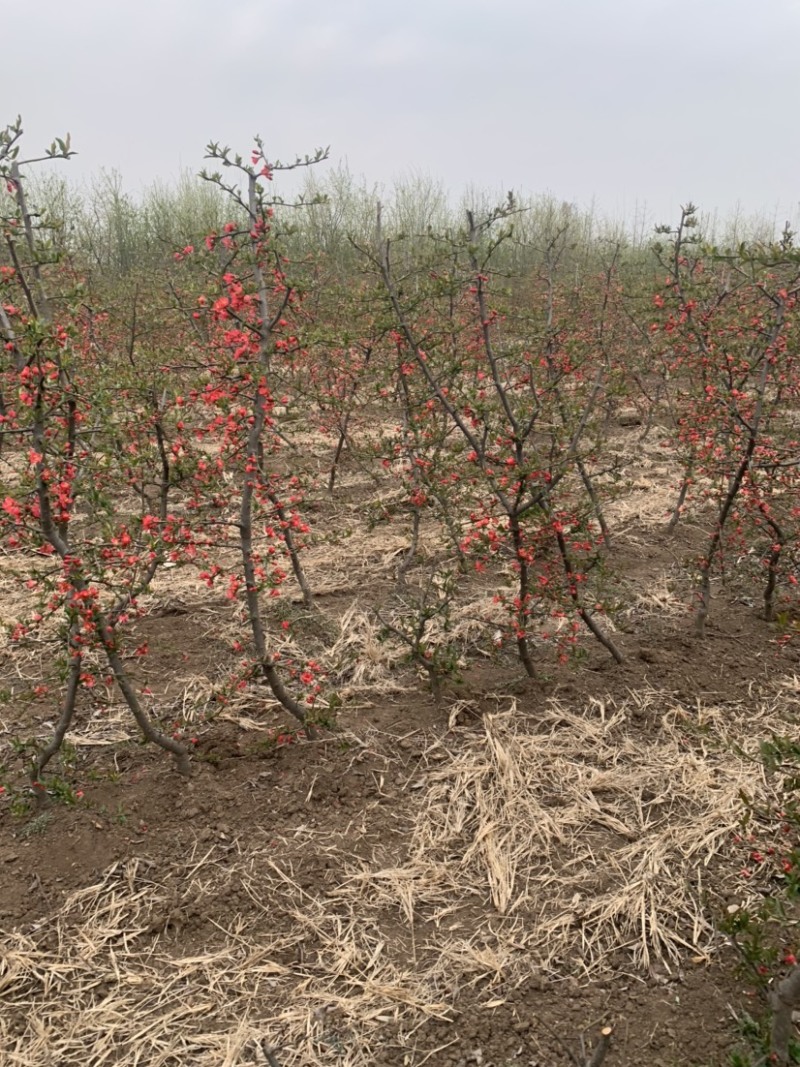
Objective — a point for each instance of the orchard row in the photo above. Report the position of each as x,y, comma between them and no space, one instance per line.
150,416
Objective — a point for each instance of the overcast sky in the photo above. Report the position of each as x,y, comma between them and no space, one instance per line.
622,102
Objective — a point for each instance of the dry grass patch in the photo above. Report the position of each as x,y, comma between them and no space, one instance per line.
104,981
586,837
565,842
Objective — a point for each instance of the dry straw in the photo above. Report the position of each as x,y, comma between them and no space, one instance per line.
567,842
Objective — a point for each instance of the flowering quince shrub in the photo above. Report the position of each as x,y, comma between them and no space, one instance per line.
67,450
129,446
408,448
727,327
246,358
520,411
342,361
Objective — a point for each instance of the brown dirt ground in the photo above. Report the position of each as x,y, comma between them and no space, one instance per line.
485,882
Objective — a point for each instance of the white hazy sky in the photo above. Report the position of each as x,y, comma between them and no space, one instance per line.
627,103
